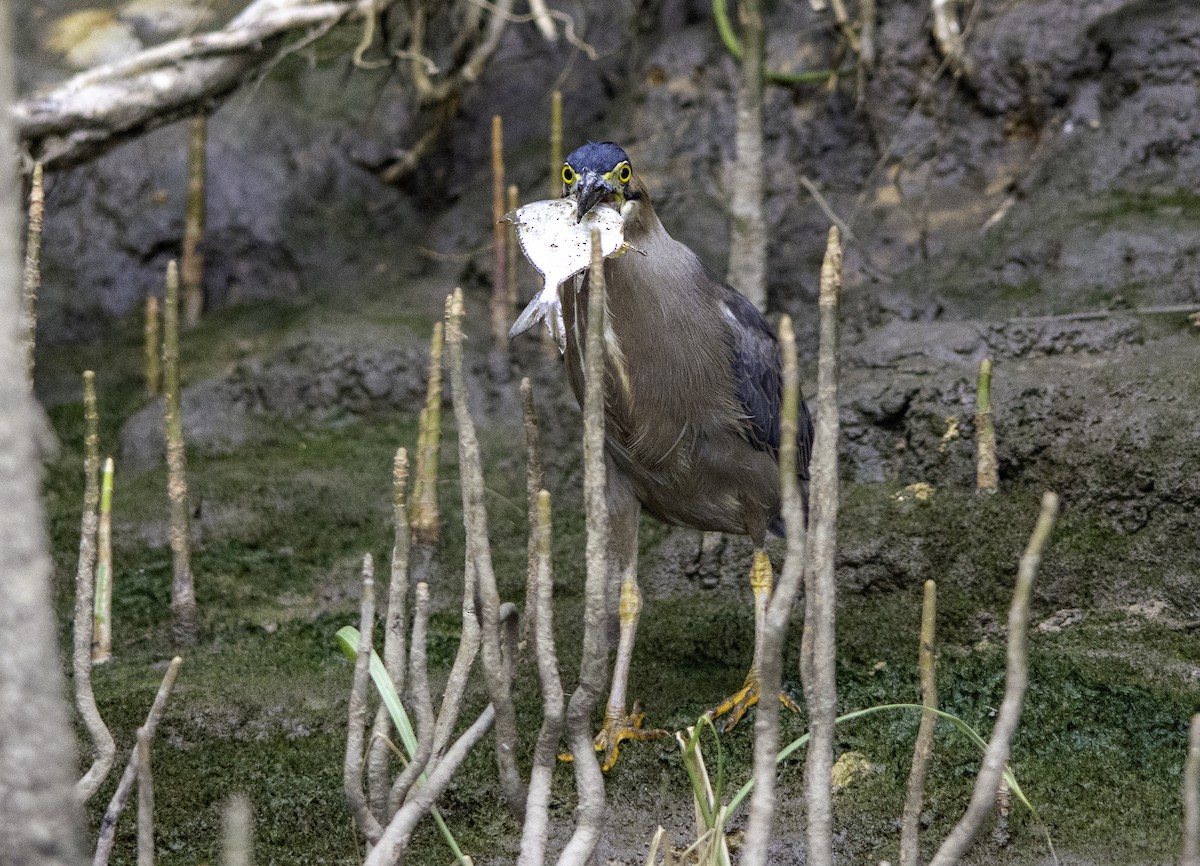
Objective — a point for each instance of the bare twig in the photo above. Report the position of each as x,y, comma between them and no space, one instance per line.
534,833
145,810
352,766
108,824
818,670
910,824
237,836
395,837
987,476
748,243
1015,680
85,587
512,252
475,519
153,373
32,277
1191,797
593,666
393,637
102,619
500,307
766,725
191,265
423,703
102,107
533,485
185,624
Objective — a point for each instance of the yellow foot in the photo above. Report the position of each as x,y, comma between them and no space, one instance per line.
731,710
618,729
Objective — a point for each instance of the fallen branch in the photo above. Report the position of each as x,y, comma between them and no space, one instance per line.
98,109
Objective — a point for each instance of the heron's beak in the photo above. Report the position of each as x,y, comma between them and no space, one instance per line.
592,189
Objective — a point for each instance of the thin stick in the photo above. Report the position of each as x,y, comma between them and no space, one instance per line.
987,476
593,666
1016,678
556,144
536,829
352,765
185,618
153,348
102,621
145,810
500,308
766,725
423,702
910,824
191,267
394,637
514,248
475,519
426,526
533,486
237,836
818,667
108,824
32,278
81,656
1191,797
549,344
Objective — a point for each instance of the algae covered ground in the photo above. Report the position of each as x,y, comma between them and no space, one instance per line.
280,525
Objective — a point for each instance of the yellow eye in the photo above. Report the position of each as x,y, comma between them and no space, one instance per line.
568,175
624,173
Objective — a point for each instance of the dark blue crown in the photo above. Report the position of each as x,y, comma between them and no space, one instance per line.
598,156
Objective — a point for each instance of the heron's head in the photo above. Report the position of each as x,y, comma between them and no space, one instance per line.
599,173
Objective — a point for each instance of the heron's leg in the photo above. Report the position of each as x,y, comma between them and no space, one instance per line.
620,725
735,706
